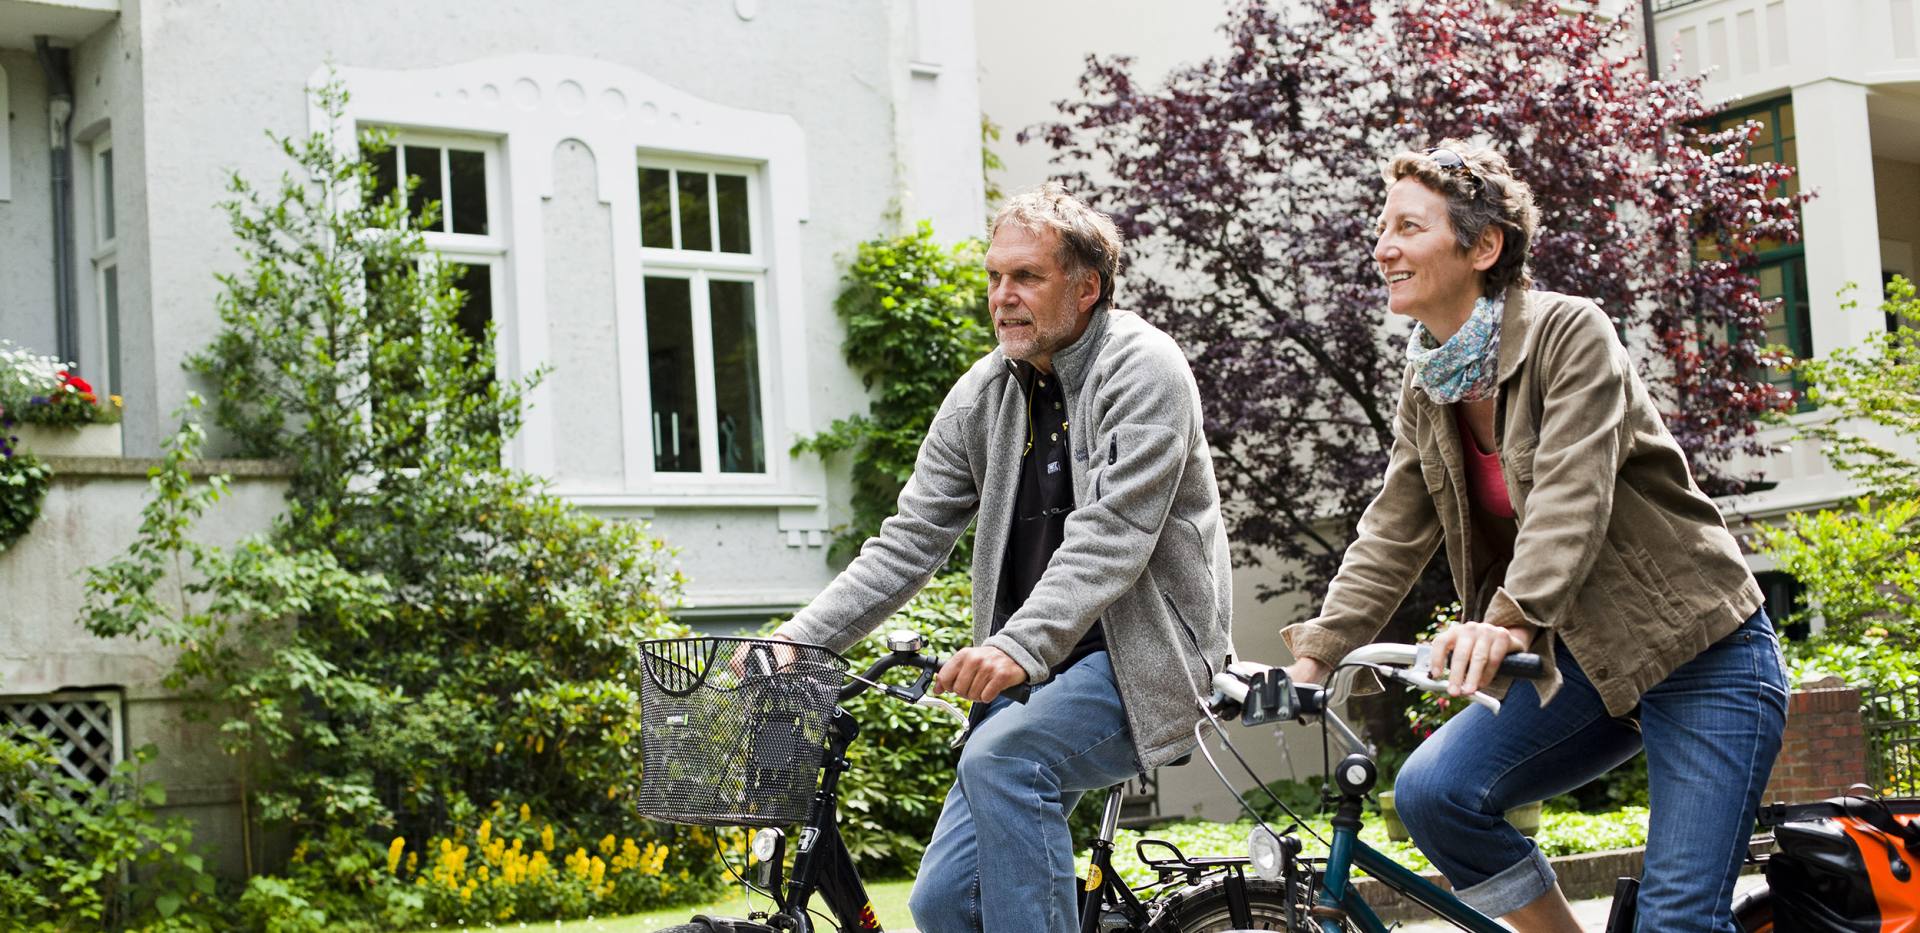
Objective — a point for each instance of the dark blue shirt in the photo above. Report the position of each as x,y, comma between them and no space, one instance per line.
1041,505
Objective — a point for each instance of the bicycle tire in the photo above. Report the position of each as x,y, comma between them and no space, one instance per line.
1204,909
1753,910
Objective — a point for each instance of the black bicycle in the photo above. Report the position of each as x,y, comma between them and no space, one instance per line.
750,732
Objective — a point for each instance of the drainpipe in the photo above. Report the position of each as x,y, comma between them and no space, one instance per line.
56,64
1653,45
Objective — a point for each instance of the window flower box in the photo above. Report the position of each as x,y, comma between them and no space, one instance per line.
78,440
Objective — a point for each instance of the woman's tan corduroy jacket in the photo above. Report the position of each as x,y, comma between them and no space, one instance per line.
1619,556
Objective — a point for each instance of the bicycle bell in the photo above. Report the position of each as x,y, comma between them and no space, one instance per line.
903,641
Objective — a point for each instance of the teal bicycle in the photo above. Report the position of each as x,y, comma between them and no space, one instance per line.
1325,899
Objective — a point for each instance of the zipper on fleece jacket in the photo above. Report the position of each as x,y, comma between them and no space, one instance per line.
1195,639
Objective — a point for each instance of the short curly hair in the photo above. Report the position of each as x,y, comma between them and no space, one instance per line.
1480,193
1089,241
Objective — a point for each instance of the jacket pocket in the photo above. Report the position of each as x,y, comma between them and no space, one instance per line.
1192,637
1518,462
1434,471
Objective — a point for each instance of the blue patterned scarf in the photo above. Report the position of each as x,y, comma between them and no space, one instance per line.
1464,368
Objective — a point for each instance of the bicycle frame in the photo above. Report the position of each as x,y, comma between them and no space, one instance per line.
822,864
1348,852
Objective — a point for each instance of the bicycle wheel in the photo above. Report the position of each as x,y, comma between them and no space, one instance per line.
1753,911
1204,909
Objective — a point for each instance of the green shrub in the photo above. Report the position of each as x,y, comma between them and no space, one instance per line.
23,487
84,855
424,630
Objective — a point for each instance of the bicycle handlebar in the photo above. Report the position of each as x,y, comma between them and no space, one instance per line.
1262,694
929,666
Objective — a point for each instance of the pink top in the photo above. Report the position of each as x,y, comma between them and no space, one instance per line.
1486,488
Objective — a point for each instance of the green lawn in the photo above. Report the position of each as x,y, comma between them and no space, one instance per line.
889,902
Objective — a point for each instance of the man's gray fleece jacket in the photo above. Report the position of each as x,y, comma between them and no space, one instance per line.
1145,549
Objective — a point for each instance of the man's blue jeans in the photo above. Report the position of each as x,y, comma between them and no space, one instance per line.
1711,731
1001,858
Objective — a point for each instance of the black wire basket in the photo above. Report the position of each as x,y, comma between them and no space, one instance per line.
733,730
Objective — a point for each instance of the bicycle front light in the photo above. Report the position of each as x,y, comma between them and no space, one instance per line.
1268,852
765,843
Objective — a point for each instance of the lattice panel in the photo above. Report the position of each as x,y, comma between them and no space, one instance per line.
81,726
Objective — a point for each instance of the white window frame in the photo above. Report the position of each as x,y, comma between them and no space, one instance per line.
701,267
533,103
490,249
106,258
6,144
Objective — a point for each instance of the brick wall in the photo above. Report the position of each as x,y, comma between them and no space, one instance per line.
1824,750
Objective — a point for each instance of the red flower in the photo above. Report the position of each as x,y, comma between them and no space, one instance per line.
76,382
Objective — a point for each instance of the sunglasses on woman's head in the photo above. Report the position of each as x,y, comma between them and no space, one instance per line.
1450,161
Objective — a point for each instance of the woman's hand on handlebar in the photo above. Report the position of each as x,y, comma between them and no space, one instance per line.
979,674
1308,671
1469,653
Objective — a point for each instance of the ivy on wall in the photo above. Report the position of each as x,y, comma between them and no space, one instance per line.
916,318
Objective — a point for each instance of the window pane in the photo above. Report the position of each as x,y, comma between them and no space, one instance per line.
477,312
730,191
1763,138
423,162
386,171
1773,281
1786,120
736,378
1802,321
106,194
656,208
670,372
469,171
110,304
696,223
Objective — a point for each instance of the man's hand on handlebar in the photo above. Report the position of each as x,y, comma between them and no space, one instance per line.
1469,653
750,659
979,674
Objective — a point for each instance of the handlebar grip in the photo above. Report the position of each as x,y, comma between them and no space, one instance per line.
1018,693
1529,666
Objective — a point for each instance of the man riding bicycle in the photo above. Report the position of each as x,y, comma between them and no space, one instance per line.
1100,566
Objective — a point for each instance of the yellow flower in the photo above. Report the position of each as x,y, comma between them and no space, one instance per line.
546,837
497,748
115,399
486,830
394,850
526,813
607,844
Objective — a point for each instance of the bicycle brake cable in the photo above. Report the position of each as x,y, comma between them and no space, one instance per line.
1244,805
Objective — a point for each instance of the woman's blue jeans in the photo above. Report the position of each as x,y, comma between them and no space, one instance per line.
1001,858
1710,731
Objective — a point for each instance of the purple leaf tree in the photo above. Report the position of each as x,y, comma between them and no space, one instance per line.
1249,184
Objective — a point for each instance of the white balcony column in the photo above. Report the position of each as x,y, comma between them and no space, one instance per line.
1841,227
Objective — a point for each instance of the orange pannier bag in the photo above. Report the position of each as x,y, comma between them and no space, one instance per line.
1845,864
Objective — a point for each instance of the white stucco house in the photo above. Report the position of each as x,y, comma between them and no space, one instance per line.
654,199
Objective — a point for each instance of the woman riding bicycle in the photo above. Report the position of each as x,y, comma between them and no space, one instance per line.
1526,442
